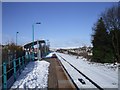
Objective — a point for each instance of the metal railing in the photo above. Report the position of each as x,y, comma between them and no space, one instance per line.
11,70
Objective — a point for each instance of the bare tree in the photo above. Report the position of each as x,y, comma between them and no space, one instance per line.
111,19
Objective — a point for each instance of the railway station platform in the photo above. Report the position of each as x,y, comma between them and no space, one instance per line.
58,78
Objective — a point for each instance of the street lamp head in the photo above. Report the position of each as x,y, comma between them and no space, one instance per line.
17,32
38,23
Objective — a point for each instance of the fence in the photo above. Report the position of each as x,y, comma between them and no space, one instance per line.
11,70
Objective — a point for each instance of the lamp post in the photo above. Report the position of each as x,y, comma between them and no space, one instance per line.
16,37
33,38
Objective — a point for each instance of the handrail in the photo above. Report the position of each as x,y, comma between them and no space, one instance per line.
16,64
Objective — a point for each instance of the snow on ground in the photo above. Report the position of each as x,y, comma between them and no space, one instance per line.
103,66
35,75
75,76
106,78
50,54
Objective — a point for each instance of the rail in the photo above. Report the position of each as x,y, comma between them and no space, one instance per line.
11,70
100,88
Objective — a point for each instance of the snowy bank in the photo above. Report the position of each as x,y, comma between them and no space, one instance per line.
50,54
35,75
98,73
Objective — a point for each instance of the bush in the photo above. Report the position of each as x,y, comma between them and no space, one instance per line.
11,51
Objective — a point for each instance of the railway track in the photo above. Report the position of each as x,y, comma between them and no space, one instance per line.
90,80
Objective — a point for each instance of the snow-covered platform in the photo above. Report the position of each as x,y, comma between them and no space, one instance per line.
35,76
47,73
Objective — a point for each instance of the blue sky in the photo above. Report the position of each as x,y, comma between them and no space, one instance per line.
63,24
